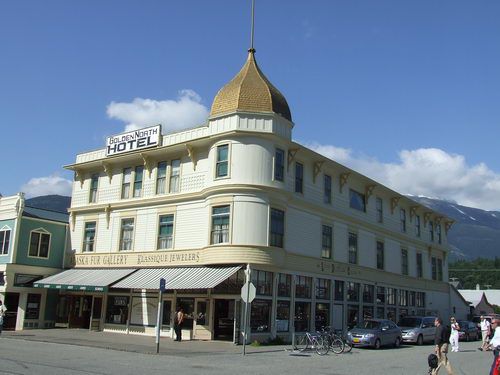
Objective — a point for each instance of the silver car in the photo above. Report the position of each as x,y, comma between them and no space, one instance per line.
375,333
417,329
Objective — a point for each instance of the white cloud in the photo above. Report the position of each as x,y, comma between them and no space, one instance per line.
184,112
426,171
53,184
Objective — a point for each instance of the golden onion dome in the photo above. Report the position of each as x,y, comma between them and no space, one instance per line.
250,91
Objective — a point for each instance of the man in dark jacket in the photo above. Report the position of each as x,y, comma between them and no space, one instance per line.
441,341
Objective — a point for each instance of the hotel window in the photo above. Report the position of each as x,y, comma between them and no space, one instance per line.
279,165
89,237
403,297
420,301
380,210
277,227
127,234
220,225
380,255
263,282
303,287
380,295
284,285
299,178
417,226
391,296
339,290
438,232
94,181
4,241
326,250
323,289
440,269
175,176
221,168
404,261
161,178
431,231
127,178
39,244
434,268
357,200
353,248
165,231
368,293
260,315
352,291
420,271
302,316
402,216
327,197
138,176
283,316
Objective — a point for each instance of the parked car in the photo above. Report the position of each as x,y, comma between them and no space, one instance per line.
468,331
375,333
417,329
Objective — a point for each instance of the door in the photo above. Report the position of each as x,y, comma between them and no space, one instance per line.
79,311
96,314
202,319
224,319
11,304
338,315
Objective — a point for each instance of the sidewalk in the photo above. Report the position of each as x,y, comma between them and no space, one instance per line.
134,343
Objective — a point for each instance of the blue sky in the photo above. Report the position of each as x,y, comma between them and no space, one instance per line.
404,91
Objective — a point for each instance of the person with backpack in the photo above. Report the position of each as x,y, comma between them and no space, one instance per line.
454,335
441,341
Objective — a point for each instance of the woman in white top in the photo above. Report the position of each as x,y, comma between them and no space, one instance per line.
454,335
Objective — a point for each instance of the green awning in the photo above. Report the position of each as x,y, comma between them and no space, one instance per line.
89,280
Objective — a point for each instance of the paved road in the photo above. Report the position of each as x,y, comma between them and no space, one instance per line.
19,356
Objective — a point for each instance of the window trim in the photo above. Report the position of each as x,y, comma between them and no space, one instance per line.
327,198
379,213
405,267
130,183
170,170
83,237
166,187
210,227
120,236
383,255
276,150
6,228
271,208
361,195
402,220
158,216
40,231
296,164
228,161
135,174
330,249
96,189
349,247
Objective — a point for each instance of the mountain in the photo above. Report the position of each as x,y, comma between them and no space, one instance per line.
57,203
475,233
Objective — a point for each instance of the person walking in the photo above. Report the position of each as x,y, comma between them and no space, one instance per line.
3,309
495,347
485,332
178,320
441,341
454,335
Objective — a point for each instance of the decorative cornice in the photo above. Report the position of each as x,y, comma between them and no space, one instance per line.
394,203
108,170
148,164
79,176
192,155
317,169
447,225
343,178
413,211
292,152
427,217
369,191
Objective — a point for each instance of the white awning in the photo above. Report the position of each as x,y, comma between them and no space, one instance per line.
96,280
177,278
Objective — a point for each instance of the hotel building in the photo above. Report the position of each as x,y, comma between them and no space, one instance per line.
325,244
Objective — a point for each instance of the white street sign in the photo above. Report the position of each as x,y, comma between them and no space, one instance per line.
249,290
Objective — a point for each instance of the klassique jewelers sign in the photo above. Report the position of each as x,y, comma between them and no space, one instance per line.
134,140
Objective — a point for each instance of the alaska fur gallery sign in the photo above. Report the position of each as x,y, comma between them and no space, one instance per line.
134,140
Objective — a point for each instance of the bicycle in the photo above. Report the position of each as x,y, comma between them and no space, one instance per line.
313,342
335,343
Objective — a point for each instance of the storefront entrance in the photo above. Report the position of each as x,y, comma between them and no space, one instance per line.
224,319
11,303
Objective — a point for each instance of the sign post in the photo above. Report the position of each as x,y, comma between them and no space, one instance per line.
248,292
160,314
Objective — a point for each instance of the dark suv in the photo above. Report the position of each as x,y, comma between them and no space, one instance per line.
468,331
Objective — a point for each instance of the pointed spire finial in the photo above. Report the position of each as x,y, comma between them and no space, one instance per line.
252,50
